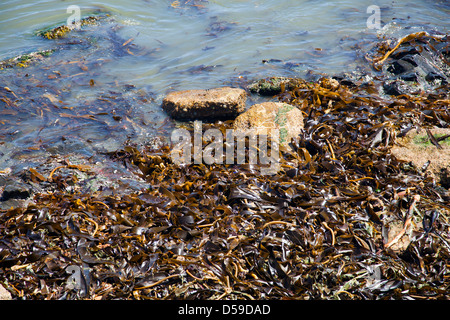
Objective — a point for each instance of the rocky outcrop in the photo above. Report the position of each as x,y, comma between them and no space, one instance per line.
272,115
212,104
14,193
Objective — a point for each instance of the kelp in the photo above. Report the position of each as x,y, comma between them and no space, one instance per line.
418,36
322,227
417,62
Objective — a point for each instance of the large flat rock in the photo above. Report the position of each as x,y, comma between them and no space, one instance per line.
212,104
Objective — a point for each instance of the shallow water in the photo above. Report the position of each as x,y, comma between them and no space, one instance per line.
235,36
182,45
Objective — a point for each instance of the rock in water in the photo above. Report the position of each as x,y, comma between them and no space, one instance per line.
270,86
15,191
272,115
212,104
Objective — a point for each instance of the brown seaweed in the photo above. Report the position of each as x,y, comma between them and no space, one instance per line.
318,229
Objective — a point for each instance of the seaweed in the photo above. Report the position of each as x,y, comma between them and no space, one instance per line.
62,30
342,219
417,62
312,231
25,60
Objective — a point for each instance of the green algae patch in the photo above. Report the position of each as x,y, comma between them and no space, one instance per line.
281,121
424,141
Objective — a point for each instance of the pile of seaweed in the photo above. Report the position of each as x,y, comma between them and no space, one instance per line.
317,229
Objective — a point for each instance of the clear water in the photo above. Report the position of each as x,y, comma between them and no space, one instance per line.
192,44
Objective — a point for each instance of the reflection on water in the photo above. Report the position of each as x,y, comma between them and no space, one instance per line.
104,84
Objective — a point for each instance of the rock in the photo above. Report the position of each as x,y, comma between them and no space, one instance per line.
276,85
392,88
61,30
14,193
212,104
401,66
270,86
272,115
4,294
416,147
414,67
16,190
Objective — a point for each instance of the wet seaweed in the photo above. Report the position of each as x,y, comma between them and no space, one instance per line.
342,218
198,7
217,26
62,30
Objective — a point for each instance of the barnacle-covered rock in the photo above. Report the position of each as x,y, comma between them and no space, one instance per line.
271,86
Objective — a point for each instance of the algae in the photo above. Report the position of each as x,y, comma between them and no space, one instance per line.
60,30
280,120
25,60
314,230
270,86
